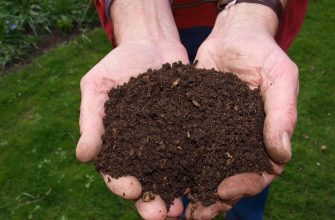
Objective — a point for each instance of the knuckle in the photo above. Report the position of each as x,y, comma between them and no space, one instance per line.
258,188
292,112
84,81
292,70
295,69
82,154
288,157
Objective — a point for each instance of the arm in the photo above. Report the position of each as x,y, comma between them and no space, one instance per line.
147,37
242,42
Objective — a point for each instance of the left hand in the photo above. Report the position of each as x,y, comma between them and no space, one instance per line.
242,42
146,37
127,60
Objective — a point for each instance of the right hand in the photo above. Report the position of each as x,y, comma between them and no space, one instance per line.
127,60
246,46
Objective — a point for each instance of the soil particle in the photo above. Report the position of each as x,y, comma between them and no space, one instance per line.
148,196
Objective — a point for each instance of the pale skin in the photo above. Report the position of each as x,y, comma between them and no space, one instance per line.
147,37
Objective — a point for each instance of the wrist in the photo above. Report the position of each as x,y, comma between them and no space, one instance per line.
247,17
143,20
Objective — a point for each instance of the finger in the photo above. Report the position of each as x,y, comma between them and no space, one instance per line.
245,184
126,187
89,144
280,91
176,208
205,59
190,212
94,94
196,211
154,209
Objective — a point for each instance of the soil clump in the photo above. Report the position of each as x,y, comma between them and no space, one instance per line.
180,127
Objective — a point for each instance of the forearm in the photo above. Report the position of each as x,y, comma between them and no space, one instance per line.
143,19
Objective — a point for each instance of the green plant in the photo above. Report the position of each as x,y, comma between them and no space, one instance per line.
23,23
64,23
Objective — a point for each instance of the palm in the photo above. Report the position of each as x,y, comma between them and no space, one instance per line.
260,62
253,59
115,68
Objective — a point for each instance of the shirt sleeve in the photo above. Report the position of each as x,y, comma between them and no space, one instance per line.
101,8
291,22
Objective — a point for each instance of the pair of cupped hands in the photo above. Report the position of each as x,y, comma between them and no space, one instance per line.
246,49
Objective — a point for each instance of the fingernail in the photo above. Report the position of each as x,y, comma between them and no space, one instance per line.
286,144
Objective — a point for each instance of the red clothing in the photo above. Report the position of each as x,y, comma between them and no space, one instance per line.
205,14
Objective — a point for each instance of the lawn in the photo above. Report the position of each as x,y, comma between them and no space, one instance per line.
40,177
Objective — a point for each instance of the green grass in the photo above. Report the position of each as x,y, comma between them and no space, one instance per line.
307,190
40,177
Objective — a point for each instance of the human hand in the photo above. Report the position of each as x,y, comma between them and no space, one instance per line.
242,42
115,68
150,46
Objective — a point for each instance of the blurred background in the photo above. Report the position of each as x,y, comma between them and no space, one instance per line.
46,46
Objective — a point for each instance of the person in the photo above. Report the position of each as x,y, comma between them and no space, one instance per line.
246,38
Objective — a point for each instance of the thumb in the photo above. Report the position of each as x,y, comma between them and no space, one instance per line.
94,94
280,92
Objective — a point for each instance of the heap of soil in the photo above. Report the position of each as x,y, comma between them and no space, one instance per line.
180,127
